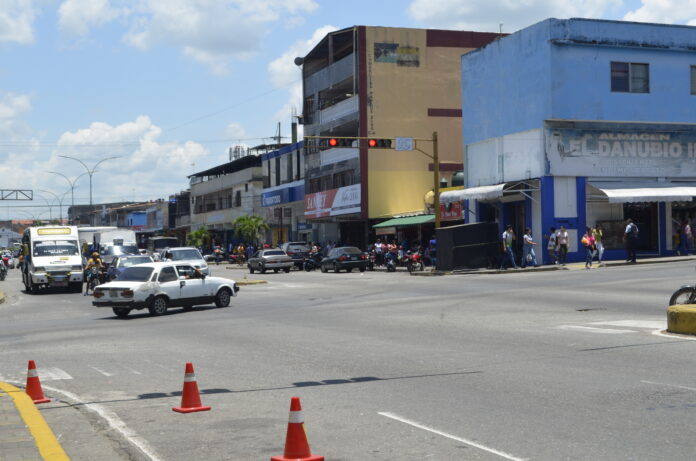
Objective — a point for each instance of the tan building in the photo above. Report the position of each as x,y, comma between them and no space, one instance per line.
380,82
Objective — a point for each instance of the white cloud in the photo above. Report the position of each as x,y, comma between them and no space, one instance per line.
208,31
17,21
144,161
12,108
77,17
235,131
487,15
665,11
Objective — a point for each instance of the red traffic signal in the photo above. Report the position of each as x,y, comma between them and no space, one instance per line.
379,143
333,142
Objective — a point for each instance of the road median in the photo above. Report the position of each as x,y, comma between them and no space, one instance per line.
682,319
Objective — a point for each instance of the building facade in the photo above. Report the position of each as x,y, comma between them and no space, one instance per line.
577,122
384,83
283,195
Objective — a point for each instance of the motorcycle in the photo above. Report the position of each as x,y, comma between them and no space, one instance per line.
390,261
684,295
414,261
96,277
371,258
3,270
312,262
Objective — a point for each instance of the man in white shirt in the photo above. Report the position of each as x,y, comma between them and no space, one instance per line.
508,255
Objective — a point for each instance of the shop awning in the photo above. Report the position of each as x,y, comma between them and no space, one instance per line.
406,221
625,193
472,193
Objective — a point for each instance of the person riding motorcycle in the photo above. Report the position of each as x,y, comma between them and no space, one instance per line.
94,261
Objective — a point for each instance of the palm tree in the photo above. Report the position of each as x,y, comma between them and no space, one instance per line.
249,227
198,238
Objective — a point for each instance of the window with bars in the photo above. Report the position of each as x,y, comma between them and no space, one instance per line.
629,77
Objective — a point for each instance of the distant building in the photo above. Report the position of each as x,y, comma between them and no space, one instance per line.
577,122
380,82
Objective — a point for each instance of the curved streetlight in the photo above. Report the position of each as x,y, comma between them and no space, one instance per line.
50,207
90,172
72,184
60,201
31,215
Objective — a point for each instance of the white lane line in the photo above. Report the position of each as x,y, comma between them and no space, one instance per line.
670,385
502,454
100,371
114,422
666,334
53,374
648,324
608,331
135,372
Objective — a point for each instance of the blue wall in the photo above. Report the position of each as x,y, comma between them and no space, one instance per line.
560,69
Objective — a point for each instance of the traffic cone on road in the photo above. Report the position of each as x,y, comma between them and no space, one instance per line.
190,397
33,387
296,445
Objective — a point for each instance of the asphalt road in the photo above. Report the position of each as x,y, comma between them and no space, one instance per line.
544,366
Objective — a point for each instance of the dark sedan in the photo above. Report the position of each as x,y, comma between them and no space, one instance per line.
347,258
298,251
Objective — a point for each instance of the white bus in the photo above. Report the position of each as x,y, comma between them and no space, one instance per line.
52,258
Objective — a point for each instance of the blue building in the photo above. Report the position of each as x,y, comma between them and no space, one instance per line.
577,122
284,194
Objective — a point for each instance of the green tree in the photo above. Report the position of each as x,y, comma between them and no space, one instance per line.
198,238
249,227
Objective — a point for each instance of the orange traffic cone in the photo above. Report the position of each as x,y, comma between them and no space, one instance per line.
33,387
296,445
190,397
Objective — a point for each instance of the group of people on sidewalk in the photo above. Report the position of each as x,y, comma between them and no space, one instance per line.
557,245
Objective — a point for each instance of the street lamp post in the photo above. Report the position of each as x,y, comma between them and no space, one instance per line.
59,200
72,185
89,172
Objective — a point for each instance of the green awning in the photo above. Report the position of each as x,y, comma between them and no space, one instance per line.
408,221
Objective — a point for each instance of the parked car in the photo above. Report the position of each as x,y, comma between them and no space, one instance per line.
298,251
189,255
270,259
121,263
158,286
347,258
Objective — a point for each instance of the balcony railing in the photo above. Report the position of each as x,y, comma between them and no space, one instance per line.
342,109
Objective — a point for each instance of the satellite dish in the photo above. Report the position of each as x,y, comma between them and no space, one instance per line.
299,61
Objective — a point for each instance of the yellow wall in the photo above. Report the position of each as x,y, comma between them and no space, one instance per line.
401,97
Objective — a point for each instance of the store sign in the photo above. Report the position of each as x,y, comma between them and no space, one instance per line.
284,195
333,202
451,211
620,150
385,231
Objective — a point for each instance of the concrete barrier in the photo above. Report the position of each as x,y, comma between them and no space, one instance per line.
242,283
682,319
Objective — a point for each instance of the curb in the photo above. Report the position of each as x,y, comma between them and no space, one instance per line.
489,271
682,319
242,283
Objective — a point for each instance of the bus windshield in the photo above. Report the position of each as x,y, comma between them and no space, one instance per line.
56,248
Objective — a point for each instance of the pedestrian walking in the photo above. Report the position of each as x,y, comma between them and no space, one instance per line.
588,240
529,256
685,237
630,239
552,246
508,254
562,239
598,235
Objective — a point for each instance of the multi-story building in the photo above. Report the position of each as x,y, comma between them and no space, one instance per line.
221,194
380,82
283,194
577,122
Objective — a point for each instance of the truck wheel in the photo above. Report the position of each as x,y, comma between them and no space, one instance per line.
159,306
121,312
287,270
222,299
324,269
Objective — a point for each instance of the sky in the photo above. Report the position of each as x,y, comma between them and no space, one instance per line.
168,86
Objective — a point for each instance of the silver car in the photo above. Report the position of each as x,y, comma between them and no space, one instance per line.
186,255
270,259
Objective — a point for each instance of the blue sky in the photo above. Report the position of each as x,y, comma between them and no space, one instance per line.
169,85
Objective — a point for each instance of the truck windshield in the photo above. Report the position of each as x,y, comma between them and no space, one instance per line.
135,274
56,248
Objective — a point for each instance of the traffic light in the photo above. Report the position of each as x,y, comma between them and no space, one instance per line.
379,143
342,142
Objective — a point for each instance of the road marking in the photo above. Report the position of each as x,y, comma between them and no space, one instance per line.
135,372
608,331
670,385
666,334
49,447
114,422
502,454
648,324
53,374
100,371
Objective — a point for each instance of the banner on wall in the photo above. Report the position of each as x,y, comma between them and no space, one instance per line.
344,200
620,149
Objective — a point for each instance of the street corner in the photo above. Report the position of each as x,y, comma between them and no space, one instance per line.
246,282
682,319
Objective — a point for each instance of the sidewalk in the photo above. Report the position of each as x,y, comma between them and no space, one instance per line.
24,434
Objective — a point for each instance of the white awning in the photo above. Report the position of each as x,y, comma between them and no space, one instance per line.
625,193
472,193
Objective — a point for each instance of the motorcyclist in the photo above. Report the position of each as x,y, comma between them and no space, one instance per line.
94,261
